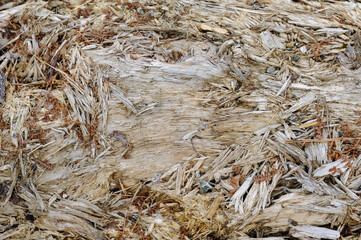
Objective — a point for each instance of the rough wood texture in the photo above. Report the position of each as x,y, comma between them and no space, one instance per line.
173,118
180,119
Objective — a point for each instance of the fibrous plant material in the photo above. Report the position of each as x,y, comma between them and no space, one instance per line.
2,87
180,119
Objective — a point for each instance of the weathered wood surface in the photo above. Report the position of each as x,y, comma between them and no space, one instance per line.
180,119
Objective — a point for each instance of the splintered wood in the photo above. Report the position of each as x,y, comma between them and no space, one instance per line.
180,119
